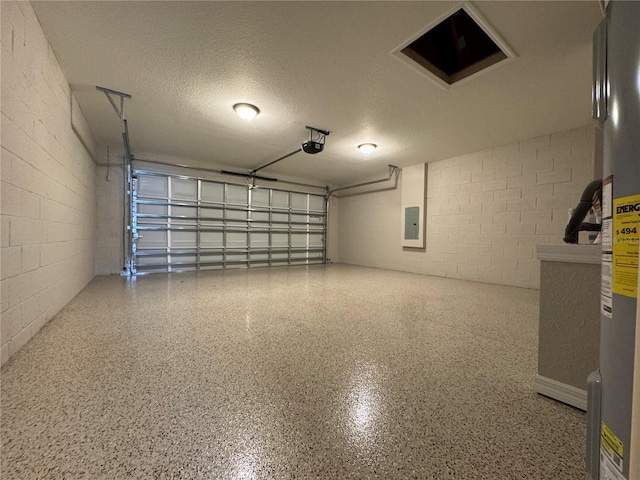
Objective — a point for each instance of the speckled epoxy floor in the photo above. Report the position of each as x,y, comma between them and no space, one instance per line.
291,372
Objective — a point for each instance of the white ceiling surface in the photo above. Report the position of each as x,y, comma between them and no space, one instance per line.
324,64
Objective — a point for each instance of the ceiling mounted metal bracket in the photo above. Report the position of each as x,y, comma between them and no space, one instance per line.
120,112
392,169
108,92
319,133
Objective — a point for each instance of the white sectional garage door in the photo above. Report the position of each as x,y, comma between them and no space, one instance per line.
185,223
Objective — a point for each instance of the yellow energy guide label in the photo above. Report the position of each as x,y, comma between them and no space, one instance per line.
626,229
611,447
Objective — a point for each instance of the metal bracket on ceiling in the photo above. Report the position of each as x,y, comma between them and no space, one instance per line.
392,169
319,134
108,92
120,112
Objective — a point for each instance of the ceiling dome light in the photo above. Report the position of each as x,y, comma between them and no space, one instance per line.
367,148
246,111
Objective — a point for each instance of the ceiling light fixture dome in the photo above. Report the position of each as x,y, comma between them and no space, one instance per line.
246,111
367,148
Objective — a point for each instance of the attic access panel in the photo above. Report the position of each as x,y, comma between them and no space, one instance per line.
455,48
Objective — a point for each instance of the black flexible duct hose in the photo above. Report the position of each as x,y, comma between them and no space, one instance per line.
581,210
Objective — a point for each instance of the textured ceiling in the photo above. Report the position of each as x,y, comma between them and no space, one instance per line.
325,64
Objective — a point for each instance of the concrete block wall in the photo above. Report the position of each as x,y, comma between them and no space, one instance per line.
486,211
48,196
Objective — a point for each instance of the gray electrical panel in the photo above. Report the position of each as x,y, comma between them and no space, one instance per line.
412,223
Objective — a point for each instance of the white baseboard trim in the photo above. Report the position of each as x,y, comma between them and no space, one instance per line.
560,391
